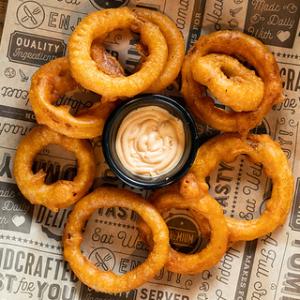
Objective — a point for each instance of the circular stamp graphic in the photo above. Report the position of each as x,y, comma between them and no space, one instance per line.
10,72
108,3
103,258
185,235
30,14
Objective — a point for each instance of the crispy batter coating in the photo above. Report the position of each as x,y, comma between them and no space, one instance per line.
229,81
175,44
61,193
256,54
96,26
260,149
85,270
206,212
52,81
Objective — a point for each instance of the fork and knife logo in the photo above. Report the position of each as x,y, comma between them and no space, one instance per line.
101,261
103,258
30,14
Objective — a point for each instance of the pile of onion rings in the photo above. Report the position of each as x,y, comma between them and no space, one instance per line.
91,67
240,45
192,194
53,80
164,42
208,64
205,209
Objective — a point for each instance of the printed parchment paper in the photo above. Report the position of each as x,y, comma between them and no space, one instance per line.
31,262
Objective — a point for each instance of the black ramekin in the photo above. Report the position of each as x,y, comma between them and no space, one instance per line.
110,132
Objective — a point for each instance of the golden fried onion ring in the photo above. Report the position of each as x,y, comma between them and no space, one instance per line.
96,26
195,198
61,193
175,44
229,81
260,149
52,81
237,44
85,270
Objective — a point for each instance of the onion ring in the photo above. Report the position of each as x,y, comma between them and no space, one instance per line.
175,44
229,81
85,270
49,83
260,149
61,193
257,54
191,196
96,26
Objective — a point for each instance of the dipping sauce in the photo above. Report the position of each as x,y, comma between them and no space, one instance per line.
150,141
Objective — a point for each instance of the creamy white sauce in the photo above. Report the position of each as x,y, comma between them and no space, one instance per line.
150,141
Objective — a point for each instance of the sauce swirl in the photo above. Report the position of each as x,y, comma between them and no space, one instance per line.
150,141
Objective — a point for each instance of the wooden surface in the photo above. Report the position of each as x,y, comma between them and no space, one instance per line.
3,4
